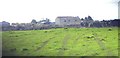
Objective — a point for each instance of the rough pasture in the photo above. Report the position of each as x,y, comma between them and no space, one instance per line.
61,42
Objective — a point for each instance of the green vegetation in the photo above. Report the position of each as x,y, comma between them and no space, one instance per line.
62,42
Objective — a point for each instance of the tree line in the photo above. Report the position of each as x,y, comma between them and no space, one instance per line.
48,25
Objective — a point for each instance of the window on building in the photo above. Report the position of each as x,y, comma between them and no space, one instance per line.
75,20
69,20
64,20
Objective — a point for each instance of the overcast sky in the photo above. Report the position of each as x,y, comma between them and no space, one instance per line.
23,11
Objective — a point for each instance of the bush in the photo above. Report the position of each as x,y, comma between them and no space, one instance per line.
90,36
110,29
45,32
24,49
65,28
83,45
102,39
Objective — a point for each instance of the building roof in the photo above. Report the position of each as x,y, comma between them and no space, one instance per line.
74,17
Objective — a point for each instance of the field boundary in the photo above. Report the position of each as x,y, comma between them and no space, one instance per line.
64,43
102,45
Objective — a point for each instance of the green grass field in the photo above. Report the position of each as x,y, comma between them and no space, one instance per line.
61,42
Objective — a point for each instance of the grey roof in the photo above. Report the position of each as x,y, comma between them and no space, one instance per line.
68,17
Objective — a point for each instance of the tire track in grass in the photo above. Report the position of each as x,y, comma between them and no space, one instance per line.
75,42
41,46
64,43
102,45
101,52
111,50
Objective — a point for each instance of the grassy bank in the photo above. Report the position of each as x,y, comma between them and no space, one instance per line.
62,42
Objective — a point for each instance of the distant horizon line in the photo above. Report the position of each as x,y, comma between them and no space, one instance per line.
54,21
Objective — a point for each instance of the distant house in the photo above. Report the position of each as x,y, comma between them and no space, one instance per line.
46,21
4,24
67,20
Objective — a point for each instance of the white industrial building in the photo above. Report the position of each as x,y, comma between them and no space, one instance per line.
67,20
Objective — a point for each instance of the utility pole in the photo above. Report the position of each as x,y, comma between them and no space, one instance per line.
119,10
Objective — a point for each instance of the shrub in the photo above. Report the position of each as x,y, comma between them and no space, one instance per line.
45,32
110,29
64,48
119,33
16,36
83,45
102,39
96,53
24,49
90,36
65,28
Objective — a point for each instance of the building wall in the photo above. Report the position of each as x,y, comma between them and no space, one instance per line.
62,21
57,21
4,24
